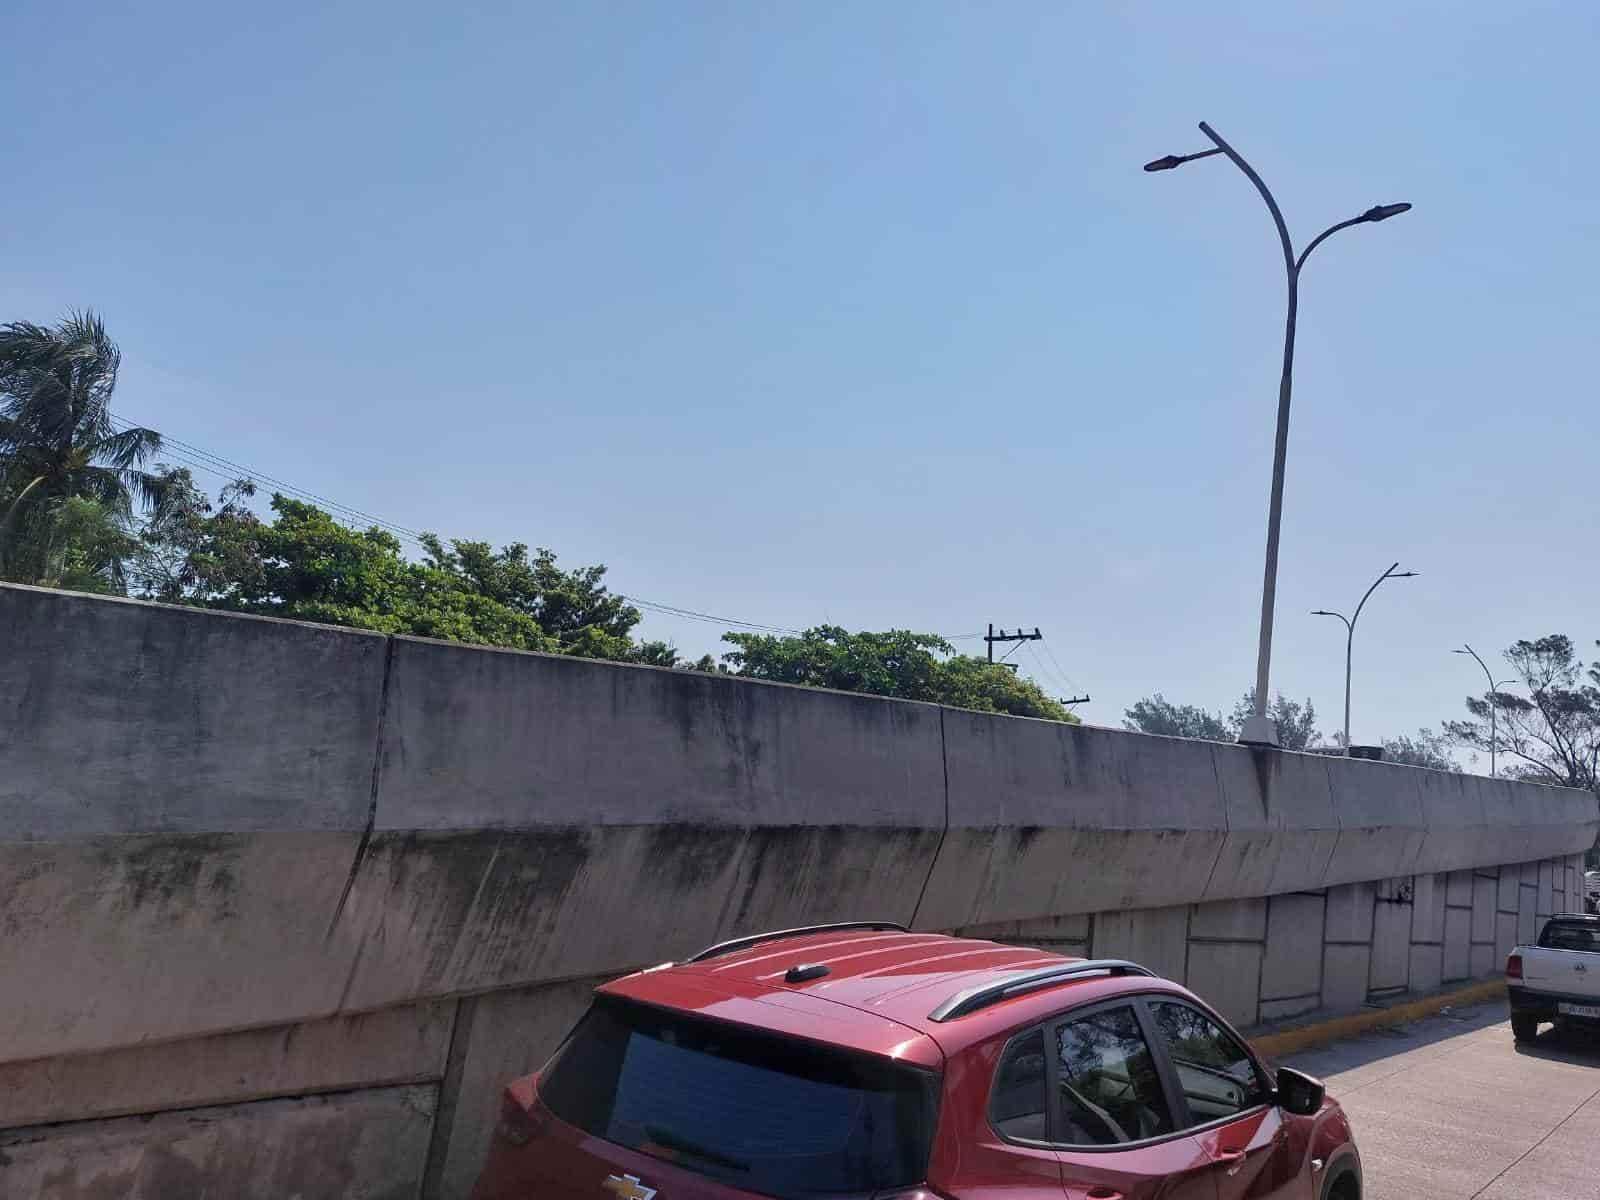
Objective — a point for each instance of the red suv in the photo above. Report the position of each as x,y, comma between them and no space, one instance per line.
864,1061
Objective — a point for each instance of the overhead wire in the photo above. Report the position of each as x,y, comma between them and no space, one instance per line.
673,610
228,470
1071,682
1041,669
219,465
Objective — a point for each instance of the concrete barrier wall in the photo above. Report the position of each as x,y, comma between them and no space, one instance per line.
229,840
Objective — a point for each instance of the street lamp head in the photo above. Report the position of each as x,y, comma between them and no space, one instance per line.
1165,164
1381,212
1404,575
1322,612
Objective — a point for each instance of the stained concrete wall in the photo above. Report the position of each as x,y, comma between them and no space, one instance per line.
247,862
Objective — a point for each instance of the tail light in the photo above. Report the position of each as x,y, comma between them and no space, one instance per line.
518,1126
1514,967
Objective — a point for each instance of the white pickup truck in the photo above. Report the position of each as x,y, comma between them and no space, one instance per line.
1557,979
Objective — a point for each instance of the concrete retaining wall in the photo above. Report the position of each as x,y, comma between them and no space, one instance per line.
244,861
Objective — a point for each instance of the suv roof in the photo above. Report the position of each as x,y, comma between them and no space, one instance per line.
892,979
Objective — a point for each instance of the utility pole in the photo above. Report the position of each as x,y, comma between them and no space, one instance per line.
992,637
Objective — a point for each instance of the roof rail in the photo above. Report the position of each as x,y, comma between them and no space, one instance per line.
755,939
1015,984
1573,917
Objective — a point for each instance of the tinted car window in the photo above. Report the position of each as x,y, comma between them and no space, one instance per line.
761,1112
1570,935
1109,1089
1217,1075
1017,1105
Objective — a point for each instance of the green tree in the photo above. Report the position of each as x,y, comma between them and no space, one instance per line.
1156,714
77,544
898,663
1427,749
1552,733
573,608
1296,720
176,526
665,654
307,566
58,443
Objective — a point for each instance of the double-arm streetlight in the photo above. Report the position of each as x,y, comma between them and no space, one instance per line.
1494,688
1350,637
1259,728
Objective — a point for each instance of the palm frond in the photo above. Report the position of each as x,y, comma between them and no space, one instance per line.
126,449
56,384
150,490
106,486
25,346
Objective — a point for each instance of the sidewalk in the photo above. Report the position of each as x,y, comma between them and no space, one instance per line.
1449,1108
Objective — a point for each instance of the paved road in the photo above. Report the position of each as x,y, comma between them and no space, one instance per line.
1451,1109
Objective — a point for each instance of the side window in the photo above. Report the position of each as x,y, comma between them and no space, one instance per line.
1017,1105
1109,1089
1217,1075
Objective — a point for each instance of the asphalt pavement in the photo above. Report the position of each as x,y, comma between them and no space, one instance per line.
1450,1108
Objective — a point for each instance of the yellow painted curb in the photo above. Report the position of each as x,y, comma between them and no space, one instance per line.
1275,1045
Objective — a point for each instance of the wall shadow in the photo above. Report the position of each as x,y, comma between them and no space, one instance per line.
1364,1049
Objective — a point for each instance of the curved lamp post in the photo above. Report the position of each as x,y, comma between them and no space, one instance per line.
1350,637
1493,688
1258,727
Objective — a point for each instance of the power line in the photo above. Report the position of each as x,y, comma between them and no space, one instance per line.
673,610
1055,679
1043,670
220,466
1073,683
198,458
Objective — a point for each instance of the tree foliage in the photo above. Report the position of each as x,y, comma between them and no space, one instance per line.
307,566
58,446
1156,714
167,565
1552,733
1296,720
1426,749
899,663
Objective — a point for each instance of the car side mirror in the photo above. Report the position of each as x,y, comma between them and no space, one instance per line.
1299,1093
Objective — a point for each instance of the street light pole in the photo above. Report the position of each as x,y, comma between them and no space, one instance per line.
1258,727
1350,638
1493,689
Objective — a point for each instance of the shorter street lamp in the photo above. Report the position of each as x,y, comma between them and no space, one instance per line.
1493,688
1350,637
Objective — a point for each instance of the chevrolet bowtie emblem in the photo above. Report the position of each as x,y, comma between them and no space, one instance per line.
628,1187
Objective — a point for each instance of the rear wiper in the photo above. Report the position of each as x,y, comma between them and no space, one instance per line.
668,1140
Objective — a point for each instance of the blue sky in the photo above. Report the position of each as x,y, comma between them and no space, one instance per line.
865,313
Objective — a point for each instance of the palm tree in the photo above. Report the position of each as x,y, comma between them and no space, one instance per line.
58,442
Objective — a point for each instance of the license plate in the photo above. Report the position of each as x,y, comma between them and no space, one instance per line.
1578,1010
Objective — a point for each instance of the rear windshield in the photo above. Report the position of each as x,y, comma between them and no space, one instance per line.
1571,935
764,1113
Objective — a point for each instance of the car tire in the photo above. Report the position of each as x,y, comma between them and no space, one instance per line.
1524,1027
1345,1185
